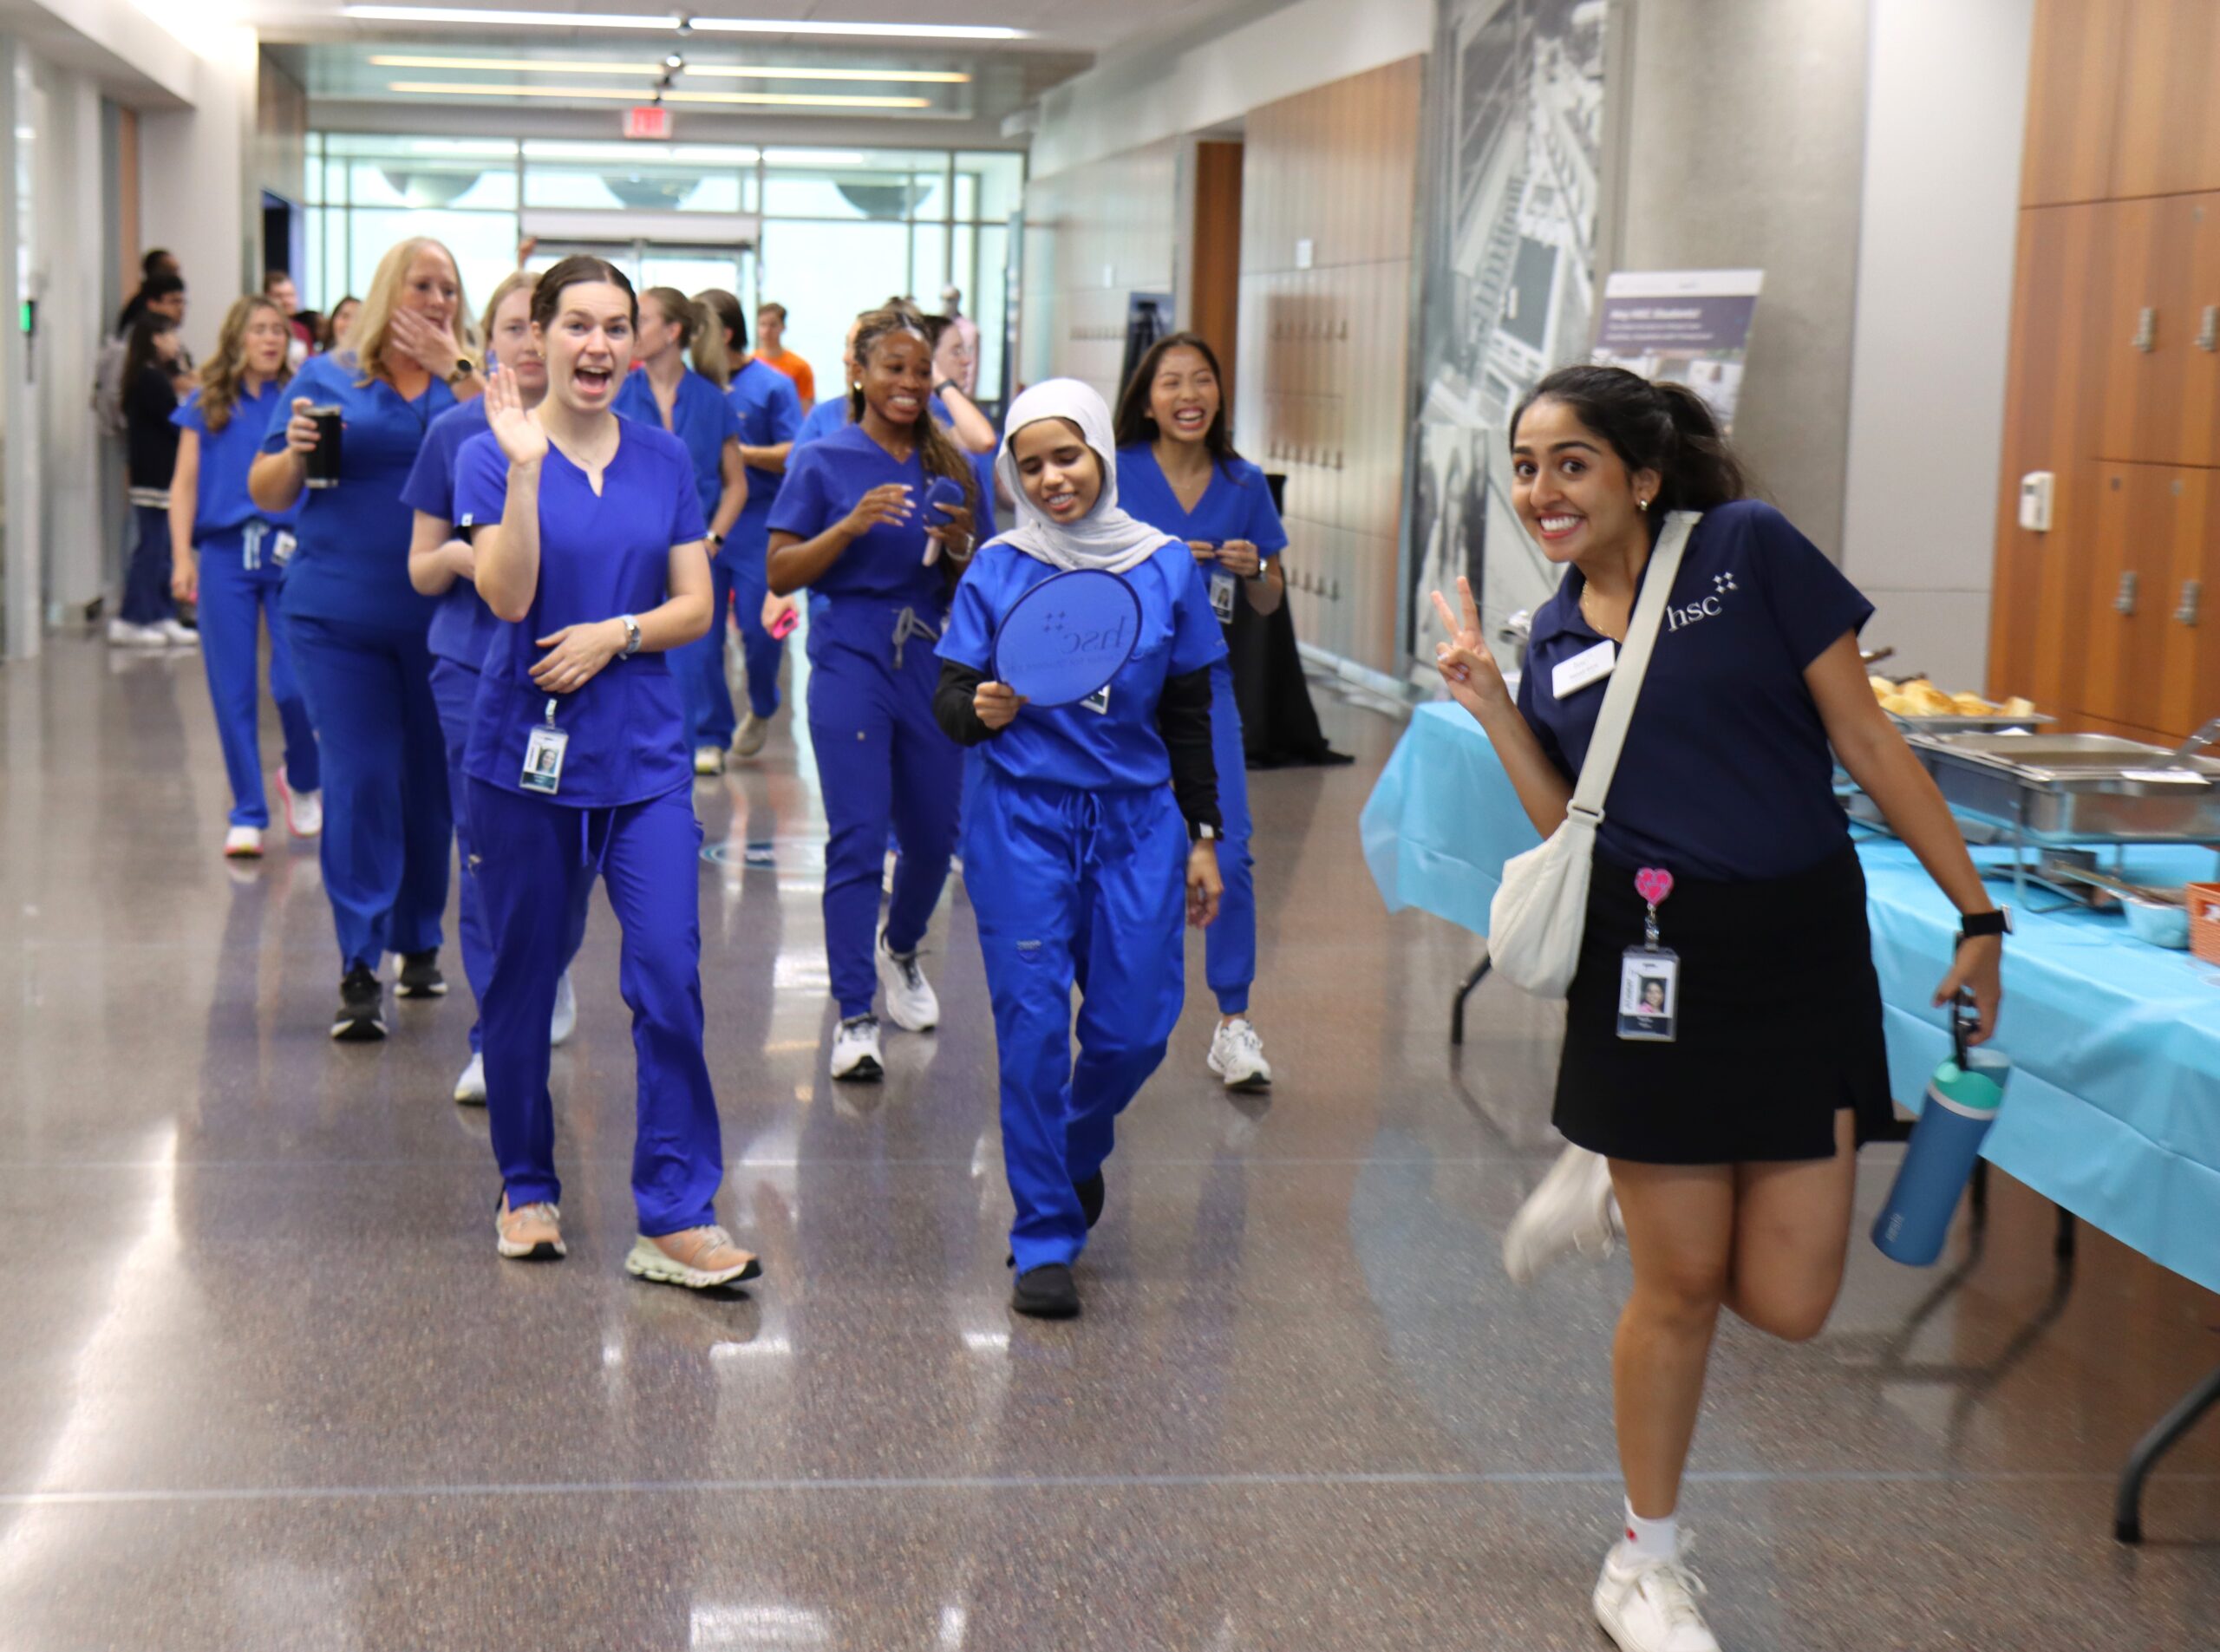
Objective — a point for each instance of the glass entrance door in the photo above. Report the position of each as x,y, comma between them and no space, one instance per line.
659,264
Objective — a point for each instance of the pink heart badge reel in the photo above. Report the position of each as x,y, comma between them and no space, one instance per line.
1653,884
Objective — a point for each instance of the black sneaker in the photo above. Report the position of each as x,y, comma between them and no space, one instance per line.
1091,1194
1046,1292
421,976
361,1019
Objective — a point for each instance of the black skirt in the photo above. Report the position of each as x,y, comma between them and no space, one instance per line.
1780,1024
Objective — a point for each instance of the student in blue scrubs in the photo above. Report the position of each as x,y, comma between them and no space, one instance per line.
1734,1182
591,552
1178,471
1077,860
225,556
443,564
689,402
358,628
769,410
850,526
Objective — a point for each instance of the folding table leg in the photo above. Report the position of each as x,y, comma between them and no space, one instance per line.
1456,1010
2127,1511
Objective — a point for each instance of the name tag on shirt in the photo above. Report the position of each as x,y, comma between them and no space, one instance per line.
1099,702
1569,677
1223,588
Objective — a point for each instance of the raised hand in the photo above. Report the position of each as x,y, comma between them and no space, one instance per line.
519,433
997,704
428,343
887,504
1475,681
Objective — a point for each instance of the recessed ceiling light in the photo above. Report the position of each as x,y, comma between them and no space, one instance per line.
648,95
722,71
668,21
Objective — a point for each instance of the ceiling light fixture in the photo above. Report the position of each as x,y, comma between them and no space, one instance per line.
648,94
663,21
722,71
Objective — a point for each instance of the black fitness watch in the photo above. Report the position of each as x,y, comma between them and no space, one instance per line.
1976,926
464,367
946,385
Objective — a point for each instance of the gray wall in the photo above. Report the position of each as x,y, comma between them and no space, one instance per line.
1745,136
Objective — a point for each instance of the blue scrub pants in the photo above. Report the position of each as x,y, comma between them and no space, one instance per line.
146,598
538,861
739,572
454,690
235,601
1230,943
881,763
387,818
1072,886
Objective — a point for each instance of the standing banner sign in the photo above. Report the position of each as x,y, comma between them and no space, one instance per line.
1691,326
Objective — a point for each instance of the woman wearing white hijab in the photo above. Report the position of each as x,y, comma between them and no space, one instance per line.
1074,840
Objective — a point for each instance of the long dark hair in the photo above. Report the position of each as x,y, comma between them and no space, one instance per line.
1135,424
940,454
139,354
725,307
1663,427
582,271
698,335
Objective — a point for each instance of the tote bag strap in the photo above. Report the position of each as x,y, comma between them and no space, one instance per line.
1610,735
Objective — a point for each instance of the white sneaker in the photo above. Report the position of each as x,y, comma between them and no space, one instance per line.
566,1012
855,1051
911,1003
304,810
1570,1210
470,1089
122,633
243,843
1650,1605
709,760
1237,1056
177,632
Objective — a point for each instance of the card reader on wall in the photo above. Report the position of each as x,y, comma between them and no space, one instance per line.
2035,490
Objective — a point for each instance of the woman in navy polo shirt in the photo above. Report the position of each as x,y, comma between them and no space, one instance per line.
226,557
590,551
689,402
443,564
1731,1149
1077,859
1177,471
850,526
358,628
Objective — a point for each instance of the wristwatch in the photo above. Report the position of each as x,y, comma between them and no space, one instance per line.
946,385
1976,925
716,540
464,367
631,635
1263,570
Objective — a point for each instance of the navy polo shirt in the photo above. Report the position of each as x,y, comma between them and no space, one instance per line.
1727,776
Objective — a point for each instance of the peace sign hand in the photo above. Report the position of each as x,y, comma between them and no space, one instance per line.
519,433
1475,680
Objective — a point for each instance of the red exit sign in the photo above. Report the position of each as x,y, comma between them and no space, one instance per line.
646,120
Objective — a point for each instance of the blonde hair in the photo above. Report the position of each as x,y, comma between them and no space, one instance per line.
368,339
225,375
698,333
515,281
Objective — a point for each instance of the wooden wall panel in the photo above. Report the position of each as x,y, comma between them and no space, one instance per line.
1115,217
2167,129
1324,350
2072,93
1214,303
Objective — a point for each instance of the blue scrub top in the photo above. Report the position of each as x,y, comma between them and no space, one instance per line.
1236,504
599,557
222,505
830,416
769,410
1726,775
462,626
1119,750
887,567
352,562
700,417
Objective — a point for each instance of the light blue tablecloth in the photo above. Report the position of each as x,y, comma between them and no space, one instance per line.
2114,1110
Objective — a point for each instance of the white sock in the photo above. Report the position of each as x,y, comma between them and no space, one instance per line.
1653,1539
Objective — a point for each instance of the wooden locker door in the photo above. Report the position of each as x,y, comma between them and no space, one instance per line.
2188,678
2146,331
2072,90
2049,425
2167,131
2201,366
2137,519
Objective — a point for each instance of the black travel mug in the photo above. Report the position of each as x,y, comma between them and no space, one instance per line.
323,458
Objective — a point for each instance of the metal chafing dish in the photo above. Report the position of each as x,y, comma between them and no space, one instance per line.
1959,722
2077,788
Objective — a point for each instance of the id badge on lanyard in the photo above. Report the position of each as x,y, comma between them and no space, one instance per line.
1650,975
542,756
1223,588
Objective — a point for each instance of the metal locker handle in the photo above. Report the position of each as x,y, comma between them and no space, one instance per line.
2193,590
2125,603
2146,329
2208,329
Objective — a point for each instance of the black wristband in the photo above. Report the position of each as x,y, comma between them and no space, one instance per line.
1978,925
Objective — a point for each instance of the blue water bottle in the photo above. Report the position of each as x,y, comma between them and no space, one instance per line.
1961,1102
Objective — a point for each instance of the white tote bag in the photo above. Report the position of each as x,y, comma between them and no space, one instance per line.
1537,917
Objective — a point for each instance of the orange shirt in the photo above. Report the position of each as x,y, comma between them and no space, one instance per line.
795,368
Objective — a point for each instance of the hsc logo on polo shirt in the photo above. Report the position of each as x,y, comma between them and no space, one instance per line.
1678,619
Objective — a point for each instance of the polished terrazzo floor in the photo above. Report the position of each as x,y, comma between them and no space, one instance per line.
263,1382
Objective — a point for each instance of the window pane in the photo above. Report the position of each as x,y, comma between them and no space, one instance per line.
484,245
927,265
826,274
659,185
986,300
1000,180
